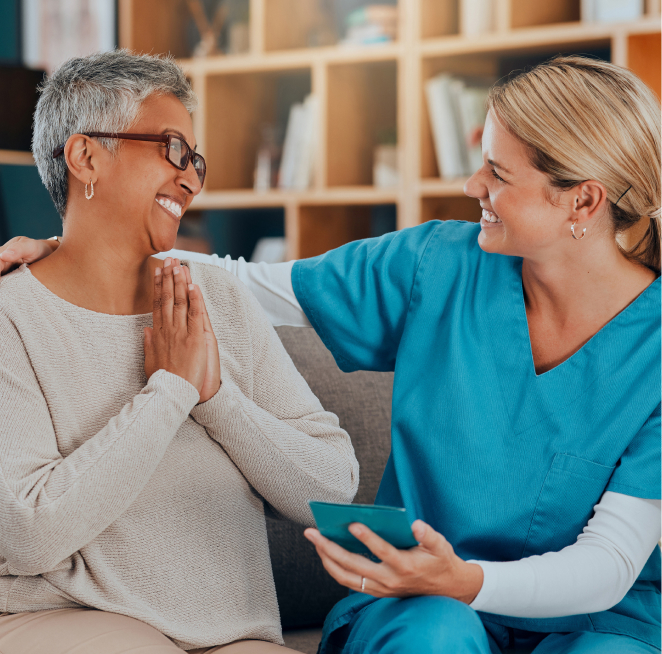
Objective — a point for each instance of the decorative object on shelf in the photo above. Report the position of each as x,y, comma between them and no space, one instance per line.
296,166
372,24
267,160
611,11
270,250
57,30
385,172
210,31
456,109
477,17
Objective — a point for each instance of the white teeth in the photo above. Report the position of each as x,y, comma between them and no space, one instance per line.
171,206
489,217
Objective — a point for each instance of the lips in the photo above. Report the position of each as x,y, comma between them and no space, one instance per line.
490,217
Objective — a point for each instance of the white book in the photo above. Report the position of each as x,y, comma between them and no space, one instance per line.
587,11
446,130
307,145
288,162
476,17
613,11
472,115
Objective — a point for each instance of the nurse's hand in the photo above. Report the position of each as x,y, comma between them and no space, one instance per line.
432,568
22,249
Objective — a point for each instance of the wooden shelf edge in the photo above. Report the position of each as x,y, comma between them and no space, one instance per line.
249,199
537,36
16,158
291,59
441,188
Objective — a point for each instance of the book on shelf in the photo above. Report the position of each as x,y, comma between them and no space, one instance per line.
297,162
477,17
611,11
371,24
456,108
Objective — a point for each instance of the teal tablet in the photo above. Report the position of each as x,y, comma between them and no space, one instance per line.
390,523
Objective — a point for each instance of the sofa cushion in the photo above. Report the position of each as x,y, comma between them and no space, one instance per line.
362,402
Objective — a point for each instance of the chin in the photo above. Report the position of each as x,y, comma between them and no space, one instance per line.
163,242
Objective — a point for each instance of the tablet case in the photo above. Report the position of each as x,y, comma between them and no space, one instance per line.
390,523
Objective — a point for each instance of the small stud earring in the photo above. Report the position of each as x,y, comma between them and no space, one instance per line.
572,229
91,195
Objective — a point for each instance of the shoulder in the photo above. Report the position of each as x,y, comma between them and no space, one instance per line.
14,291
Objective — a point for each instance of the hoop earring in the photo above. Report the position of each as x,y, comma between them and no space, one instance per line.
572,229
91,195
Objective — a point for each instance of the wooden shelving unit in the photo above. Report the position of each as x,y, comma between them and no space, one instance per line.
361,91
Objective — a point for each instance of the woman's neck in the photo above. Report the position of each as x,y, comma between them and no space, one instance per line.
96,274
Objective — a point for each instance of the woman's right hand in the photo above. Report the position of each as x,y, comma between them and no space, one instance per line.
22,249
176,342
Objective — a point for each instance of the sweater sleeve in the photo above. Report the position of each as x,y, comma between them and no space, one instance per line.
589,576
285,444
52,505
271,283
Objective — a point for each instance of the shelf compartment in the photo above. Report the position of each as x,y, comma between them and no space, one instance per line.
154,26
450,208
296,24
238,105
439,18
325,227
362,108
640,61
524,13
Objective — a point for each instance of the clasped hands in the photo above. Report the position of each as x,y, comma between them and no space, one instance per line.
181,339
431,568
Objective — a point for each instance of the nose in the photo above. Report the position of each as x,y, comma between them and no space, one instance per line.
189,180
474,187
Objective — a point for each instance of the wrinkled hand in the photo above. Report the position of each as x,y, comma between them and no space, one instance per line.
20,250
431,568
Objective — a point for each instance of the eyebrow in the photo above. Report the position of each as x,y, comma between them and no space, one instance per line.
496,165
170,130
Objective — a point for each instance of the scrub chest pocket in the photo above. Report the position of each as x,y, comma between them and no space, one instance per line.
571,489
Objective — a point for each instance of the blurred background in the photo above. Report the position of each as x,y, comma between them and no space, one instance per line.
322,121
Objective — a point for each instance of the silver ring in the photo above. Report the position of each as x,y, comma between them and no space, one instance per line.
362,584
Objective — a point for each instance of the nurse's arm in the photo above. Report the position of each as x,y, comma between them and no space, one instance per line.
270,283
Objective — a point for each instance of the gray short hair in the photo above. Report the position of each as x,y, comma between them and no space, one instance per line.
102,92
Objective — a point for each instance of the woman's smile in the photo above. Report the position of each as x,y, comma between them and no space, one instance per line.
489,219
171,206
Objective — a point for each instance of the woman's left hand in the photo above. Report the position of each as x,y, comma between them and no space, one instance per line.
431,568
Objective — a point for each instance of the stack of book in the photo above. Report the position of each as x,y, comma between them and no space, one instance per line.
296,164
371,24
457,110
611,11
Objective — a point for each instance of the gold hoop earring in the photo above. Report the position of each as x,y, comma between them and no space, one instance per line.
572,229
91,195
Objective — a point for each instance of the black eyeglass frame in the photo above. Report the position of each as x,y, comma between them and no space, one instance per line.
190,154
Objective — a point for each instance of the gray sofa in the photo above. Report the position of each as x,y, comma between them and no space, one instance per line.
362,402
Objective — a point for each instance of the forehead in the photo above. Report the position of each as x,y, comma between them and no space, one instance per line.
160,112
501,144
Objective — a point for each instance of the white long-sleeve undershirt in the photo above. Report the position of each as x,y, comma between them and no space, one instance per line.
589,576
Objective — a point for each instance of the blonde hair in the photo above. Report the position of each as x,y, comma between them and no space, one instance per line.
587,119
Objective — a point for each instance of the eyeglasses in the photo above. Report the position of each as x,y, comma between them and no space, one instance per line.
178,151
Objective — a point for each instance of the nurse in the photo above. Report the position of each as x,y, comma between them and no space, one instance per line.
526,401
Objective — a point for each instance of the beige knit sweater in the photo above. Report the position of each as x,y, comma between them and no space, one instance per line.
119,493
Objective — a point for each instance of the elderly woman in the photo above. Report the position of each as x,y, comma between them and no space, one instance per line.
136,484
526,399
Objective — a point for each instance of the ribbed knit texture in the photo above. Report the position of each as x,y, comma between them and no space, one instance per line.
119,493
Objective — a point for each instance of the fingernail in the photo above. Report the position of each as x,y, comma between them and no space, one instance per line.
175,271
355,530
190,287
157,272
9,252
167,262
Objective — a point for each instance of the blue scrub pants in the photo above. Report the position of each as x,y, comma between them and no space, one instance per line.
441,625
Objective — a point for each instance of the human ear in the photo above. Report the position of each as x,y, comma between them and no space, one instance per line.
588,200
83,157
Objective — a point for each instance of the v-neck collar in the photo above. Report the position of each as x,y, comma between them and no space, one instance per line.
531,398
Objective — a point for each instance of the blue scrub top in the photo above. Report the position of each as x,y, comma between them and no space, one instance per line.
504,462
